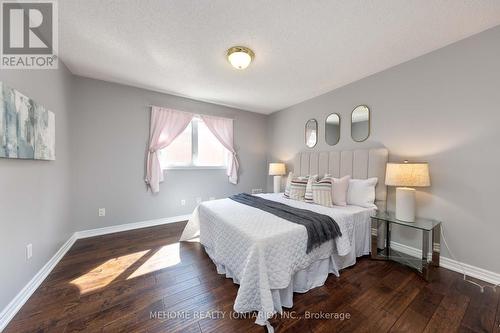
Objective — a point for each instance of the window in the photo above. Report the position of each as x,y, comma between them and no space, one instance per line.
195,147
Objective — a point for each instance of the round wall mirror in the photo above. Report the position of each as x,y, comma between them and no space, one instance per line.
332,129
360,123
311,133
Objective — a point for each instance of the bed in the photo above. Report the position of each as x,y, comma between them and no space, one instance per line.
266,255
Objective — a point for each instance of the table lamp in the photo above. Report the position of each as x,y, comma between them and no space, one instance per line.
277,170
406,176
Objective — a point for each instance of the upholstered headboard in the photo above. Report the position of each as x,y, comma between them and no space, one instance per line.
360,164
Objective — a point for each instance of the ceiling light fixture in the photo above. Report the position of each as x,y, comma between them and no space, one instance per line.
240,57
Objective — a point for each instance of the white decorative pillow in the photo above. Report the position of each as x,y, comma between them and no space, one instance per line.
308,197
298,188
339,190
288,184
322,192
361,192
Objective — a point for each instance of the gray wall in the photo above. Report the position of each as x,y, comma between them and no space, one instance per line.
442,108
110,131
34,195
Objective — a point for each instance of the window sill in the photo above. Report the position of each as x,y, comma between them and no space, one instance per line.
196,168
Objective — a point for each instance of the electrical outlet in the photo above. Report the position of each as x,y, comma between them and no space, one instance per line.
198,200
183,202
211,198
102,212
29,251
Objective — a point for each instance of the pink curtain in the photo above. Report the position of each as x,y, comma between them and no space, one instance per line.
222,129
166,125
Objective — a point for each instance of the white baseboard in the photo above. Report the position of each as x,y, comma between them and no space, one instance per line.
130,226
13,307
411,251
453,265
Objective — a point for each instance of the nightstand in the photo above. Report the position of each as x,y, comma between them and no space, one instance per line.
431,229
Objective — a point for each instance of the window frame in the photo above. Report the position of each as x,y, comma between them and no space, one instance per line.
194,152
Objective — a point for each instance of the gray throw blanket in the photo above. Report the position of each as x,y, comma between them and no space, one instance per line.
320,228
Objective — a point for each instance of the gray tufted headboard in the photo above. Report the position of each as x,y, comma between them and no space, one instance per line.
361,164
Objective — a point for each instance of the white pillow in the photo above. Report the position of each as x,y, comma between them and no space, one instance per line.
361,192
340,187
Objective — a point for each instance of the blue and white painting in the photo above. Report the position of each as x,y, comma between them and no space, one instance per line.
27,129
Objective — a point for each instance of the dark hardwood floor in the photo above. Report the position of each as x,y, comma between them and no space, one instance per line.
113,283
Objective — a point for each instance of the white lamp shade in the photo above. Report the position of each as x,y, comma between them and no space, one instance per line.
277,169
407,174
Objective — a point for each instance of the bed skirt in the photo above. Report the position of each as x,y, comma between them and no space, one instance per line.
302,281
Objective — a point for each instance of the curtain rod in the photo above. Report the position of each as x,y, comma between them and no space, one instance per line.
151,105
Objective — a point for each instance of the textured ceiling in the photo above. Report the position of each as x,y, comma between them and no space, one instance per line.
303,48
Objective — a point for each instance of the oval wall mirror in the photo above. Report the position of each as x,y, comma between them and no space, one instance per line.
360,123
332,129
311,133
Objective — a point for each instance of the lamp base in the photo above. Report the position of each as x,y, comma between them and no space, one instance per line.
405,204
277,184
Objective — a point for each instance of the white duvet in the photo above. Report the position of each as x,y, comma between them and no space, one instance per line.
262,252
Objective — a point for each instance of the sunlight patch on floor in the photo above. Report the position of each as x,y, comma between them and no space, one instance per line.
104,274
166,256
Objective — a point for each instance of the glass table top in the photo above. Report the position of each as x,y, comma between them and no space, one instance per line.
420,223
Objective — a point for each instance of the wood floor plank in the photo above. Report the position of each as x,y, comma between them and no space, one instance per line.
404,296
481,312
496,326
121,282
350,324
419,312
448,315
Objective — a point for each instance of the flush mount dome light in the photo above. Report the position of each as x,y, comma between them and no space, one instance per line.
240,57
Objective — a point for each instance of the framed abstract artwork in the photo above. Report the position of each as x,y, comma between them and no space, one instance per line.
27,129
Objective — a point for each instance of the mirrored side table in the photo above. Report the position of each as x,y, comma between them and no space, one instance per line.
431,229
